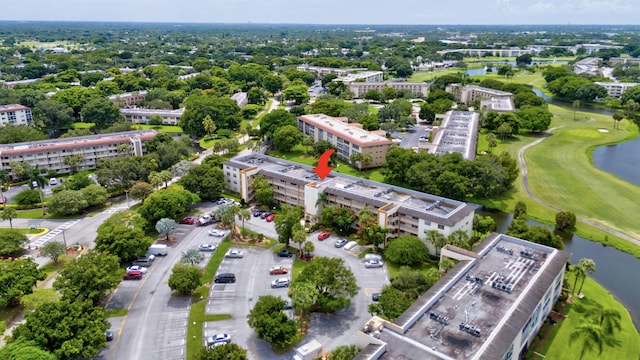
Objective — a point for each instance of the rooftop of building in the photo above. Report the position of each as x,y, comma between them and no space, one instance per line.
437,208
488,90
358,76
475,310
53,144
310,67
129,94
458,133
390,83
615,83
500,104
350,132
145,111
12,107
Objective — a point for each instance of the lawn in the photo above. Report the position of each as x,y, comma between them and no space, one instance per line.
297,154
558,345
37,214
26,231
83,125
161,128
425,76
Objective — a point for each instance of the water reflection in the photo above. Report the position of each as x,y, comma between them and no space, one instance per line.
612,266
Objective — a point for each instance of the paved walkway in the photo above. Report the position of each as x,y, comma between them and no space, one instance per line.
525,186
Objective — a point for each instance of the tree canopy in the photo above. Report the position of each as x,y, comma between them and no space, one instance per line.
17,278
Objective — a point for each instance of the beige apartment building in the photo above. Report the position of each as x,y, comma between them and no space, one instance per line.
467,94
359,89
142,116
348,138
50,154
616,89
401,211
15,114
321,71
128,99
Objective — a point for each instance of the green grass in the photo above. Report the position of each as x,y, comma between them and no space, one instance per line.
197,314
37,214
558,345
83,125
422,76
394,269
297,154
25,231
160,128
116,312
372,109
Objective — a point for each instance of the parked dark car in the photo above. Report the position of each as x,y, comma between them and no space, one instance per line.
225,278
284,253
265,215
376,296
257,213
109,335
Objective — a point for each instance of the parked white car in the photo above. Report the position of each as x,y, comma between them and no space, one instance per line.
216,232
142,269
373,263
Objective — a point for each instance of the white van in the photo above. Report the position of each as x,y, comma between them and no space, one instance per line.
350,245
373,257
53,181
158,249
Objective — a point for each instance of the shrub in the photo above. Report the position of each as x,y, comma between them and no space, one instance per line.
27,197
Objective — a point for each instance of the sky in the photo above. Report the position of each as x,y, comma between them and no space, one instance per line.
423,12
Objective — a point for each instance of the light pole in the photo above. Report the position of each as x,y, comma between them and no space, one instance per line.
64,238
126,192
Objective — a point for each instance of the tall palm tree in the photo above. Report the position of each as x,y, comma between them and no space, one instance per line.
4,177
590,336
437,239
35,176
323,199
9,214
579,272
589,267
243,214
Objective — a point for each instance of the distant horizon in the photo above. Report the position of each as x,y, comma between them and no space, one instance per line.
331,12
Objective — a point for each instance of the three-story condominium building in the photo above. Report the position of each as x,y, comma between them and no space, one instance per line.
142,115
470,93
348,138
15,114
50,154
401,211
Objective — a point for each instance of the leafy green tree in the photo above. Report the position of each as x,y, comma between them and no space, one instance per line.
285,221
95,194
437,239
299,236
492,142
334,282
414,283
73,162
407,250
140,190
298,92
303,295
589,267
24,350
192,257
166,227
53,250
565,221
286,137
255,96
340,218
17,278
123,235
536,119
53,115
263,190
276,119
520,210
272,83
209,125
185,278
270,322
204,180
229,351
11,134
9,214
167,203
11,241
37,298
100,111
76,97
391,304
89,277
223,111
67,202
344,352
50,324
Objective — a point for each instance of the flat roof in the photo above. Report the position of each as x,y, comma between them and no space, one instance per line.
458,133
477,309
145,111
356,76
436,208
350,132
498,104
489,90
129,94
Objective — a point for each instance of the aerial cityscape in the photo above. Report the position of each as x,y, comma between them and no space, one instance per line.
251,180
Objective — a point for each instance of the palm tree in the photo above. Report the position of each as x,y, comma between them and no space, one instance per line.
579,272
73,161
356,160
35,176
9,214
367,160
192,257
492,141
590,336
323,199
4,177
209,126
299,236
307,142
303,296
243,214
589,267
437,239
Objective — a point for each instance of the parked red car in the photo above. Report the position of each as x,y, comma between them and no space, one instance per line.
324,235
133,275
187,220
271,217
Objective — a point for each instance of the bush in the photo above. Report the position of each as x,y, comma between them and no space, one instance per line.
407,250
185,278
27,197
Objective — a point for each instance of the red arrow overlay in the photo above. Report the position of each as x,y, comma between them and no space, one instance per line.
323,168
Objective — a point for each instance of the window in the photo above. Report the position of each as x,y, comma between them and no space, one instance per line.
441,227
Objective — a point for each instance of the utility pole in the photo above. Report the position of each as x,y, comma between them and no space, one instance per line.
64,238
126,192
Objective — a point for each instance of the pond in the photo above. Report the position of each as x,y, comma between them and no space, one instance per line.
612,266
621,160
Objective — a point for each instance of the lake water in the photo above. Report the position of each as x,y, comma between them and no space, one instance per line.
612,265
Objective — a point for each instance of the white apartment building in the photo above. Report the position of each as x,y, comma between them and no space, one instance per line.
490,306
15,114
142,115
497,104
620,60
322,71
467,94
348,138
401,211
359,89
616,89
50,154
364,76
